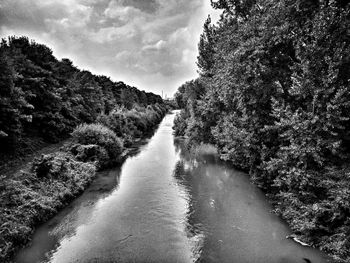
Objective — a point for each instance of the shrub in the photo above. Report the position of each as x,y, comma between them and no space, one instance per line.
119,122
99,134
91,153
136,119
131,124
323,219
180,124
59,165
34,197
115,121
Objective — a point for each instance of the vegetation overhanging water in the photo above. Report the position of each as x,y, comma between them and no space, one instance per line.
166,204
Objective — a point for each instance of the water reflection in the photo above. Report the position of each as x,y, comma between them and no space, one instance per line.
229,216
49,236
167,204
142,219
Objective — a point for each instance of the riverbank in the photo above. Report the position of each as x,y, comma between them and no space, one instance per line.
51,181
29,199
167,204
302,214
276,104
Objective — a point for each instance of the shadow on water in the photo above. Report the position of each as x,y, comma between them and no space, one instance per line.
229,218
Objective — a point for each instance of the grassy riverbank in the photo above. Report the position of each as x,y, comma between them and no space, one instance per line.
34,195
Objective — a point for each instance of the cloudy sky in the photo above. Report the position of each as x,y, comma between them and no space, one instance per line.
151,44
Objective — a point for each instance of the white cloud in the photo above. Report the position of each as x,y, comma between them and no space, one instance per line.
146,43
110,34
160,45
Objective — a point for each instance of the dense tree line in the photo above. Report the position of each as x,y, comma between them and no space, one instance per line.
33,195
274,96
43,97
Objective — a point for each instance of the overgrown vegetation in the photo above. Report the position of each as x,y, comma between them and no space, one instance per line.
104,141
46,98
273,95
54,179
42,97
37,195
99,135
134,123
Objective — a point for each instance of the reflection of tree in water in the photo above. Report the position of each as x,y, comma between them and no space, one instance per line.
205,209
227,217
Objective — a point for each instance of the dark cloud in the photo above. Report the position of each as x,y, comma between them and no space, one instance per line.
151,44
28,15
149,6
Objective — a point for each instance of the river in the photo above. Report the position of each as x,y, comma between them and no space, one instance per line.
164,204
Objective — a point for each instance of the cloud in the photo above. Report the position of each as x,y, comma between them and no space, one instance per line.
160,45
151,44
123,13
111,34
149,6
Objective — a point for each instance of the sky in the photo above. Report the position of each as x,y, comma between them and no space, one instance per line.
150,44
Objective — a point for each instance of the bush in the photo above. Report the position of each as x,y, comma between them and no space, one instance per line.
115,121
122,124
59,165
35,196
180,124
87,134
91,153
134,123
323,219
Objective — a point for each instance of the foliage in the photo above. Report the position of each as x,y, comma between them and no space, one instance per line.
54,179
92,153
135,123
87,134
13,106
35,197
171,104
45,97
273,95
205,59
180,124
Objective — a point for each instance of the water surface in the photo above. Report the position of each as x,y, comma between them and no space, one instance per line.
167,205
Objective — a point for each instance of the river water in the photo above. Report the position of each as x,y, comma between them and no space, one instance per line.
167,205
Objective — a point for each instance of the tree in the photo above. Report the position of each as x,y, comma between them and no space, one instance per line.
13,105
274,99
205,59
